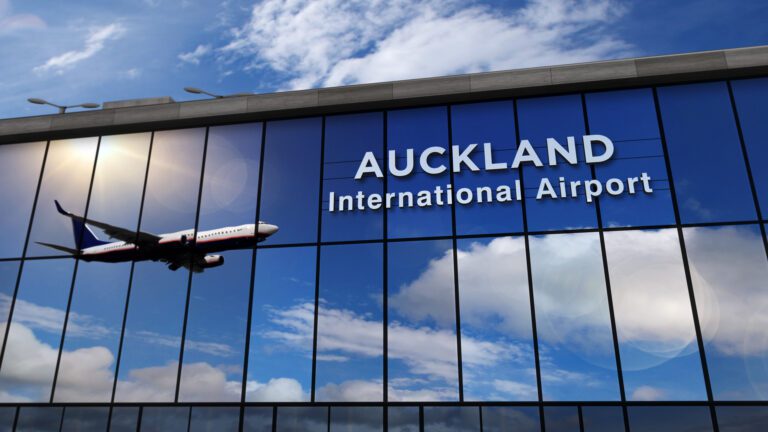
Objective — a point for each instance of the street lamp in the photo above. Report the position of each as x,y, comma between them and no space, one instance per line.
195,90
62,108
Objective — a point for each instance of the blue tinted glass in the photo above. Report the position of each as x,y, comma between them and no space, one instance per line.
403,419
602,418
214,419
493,123
556,117
730,279
496,335
39,419
669,419
657,338
85,419
561,419
7,416
33,341
257,419
291,179
518,419
164,419
451,419
124,419
572,318
349,363
9,272
347,139
20,166
280,355
707,162
302,419
418,129
742,418
751,102
357,419
422,357
628,118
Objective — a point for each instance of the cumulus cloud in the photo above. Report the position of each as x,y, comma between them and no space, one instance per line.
194,56
334,42
647,393
94,43
10,22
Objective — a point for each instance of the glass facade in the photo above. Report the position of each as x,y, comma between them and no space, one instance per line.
389,299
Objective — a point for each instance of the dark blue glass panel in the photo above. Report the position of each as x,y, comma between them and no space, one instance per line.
165,419
85,419
707,162
602,418
418,129
729,271
561,419
555,117
291,179
422,358
752,104
357,419
657,339
214,419
498,360
20,166
669,419
742,418
7,417
302,419
124,419
628,118
494,123
518,419
257,419
451,419
403,419
350,363
347,139
39,419
280,353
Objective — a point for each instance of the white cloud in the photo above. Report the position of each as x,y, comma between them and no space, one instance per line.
334,42
194,57
10,22
93,44
647,393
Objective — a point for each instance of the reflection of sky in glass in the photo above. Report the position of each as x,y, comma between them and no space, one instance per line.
20,166
422,353
78,419
66,177
628,118
669,419
219,419
124,419
33,419
657,339
347,139
489,122
9,272
554,117
503,419
602,418
165,419
403,419
572,318
561,419
35,334
751,96
496,320
304,419
350,326
7,415
257,419
451,419
742,418
356,419
704,150
730,279
280,356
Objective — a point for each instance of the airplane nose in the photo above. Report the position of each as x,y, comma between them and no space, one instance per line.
268,229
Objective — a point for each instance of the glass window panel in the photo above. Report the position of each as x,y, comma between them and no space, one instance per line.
85,419
751,96
422,355
302,419
33,342
215,340
7,416
705,153
572,318
602,418
669,419
257,419
730,279
9,272
418,129
496,335
149,362
291,181
742,418
124,419
350,363
657,339
451,419
561,419
214,419
628,118
494,123
347,139
20,166
165,419
66,178
87,366
518,419
39,419
403,419
555,117
357,419
282,325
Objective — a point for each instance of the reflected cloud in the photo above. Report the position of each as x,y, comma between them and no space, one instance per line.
50,319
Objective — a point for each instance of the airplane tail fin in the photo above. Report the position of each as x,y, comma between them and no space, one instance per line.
58,247
84,237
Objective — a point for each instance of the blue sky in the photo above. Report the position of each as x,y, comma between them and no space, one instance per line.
76,51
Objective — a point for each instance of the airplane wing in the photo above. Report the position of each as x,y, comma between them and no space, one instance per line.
122,234
194,262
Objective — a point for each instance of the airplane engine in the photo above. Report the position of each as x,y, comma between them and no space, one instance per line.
213,261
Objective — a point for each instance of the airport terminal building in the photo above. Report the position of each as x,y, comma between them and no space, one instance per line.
573,248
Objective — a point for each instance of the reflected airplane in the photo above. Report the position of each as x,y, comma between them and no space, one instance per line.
176,249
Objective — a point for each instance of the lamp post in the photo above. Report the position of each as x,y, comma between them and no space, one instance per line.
195,90
62,108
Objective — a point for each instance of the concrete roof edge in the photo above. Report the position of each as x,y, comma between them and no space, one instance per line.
590,76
